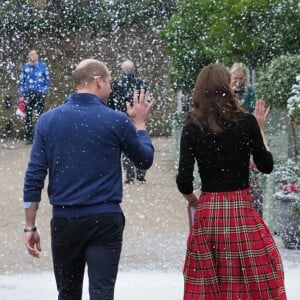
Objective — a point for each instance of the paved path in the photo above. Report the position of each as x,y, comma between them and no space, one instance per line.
156,217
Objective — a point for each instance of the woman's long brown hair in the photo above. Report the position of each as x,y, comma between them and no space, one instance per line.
213,100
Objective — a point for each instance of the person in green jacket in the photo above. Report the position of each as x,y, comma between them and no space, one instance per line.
239,84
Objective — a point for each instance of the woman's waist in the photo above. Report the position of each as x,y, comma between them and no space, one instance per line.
242,194
225,185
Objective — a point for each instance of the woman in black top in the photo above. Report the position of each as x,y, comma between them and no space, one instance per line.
230,251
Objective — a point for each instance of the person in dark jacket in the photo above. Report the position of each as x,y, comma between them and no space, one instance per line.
231,253
34,86
122,91
79,145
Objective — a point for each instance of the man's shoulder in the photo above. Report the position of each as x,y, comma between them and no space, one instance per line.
118,83
53,111
116,114
26,65
125,78
42,64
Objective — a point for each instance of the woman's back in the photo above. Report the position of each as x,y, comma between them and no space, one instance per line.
223,158
230,251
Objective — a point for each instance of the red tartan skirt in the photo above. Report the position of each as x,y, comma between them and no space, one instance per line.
231,254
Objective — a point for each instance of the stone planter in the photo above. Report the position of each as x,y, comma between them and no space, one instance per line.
288,219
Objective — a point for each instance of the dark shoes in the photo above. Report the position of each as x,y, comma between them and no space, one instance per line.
141,179
129,181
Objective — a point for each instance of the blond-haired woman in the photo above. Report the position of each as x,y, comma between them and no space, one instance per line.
239,83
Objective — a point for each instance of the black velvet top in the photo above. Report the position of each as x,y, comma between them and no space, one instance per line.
223,159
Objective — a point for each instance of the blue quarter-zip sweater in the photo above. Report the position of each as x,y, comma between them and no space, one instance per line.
79,145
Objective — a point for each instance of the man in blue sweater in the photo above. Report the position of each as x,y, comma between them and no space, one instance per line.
33,87
79,144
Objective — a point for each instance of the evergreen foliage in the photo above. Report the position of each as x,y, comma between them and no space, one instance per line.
251,31
276,80
293,103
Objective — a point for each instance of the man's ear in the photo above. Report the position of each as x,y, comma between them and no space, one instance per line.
99,82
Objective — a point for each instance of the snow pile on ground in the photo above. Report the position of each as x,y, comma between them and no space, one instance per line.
133,285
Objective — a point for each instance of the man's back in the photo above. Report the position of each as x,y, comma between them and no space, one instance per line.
82,141
80,144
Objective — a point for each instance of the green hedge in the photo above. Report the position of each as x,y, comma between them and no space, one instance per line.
274,83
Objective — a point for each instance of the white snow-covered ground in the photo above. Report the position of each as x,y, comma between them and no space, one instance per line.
133,285
160,238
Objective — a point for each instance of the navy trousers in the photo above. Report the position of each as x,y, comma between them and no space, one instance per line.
34,106
95,241
129,168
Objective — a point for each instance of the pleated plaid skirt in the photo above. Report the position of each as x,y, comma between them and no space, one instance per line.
231,254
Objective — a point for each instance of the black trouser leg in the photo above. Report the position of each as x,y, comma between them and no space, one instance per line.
29,104
39,104
105,258
140,174
128,166
95,240
34,105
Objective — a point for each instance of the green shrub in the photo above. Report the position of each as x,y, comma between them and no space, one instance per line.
274,83
297,209
293,105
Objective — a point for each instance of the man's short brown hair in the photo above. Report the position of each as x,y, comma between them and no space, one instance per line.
87,70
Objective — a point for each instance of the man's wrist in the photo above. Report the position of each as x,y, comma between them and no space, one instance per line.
30,229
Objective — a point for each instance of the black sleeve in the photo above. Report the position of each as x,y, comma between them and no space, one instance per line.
141,84
118,95
110,102
185,176
261,156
